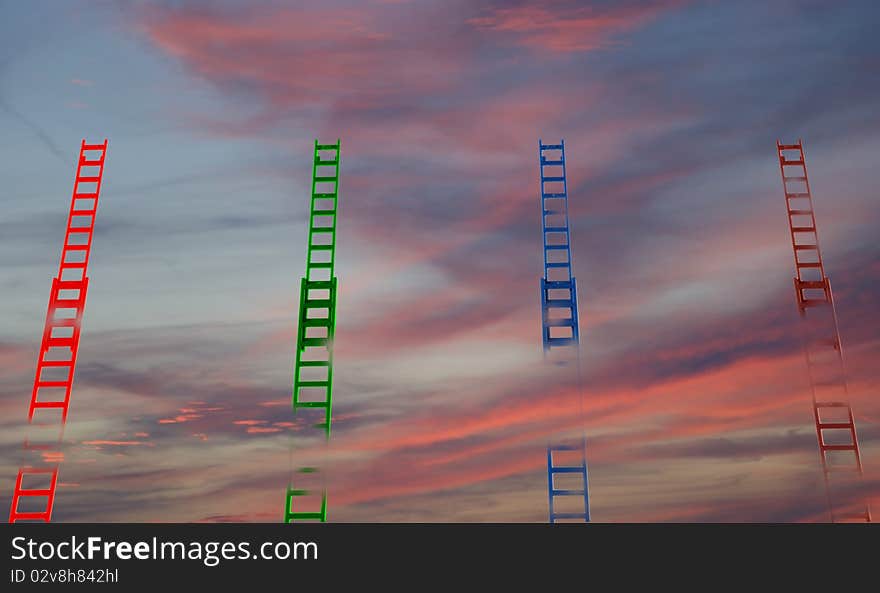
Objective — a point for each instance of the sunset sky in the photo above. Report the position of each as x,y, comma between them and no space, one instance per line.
694,386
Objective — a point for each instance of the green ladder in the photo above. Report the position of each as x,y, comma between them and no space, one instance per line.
313,372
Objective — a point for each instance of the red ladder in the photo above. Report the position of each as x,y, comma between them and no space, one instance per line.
56,361
835,425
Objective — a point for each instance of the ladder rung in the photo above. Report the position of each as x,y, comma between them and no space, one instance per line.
831,405
795,178
52,384
567,492
300,404
327,147
304,516
87,179
811,284
72,265
551,163
552,179
55,363
560,341
801,194
87,163
314,363
88,196
559,322
565,469
551,147
36,405
558,265
44,516
553,195
809,265
556,229
313,384
787,163
801,247
34,491
789,146
557,284
325,179
324,195
835,425
556,246
316,304
838,448
66,304
318,284
569,516
803,229
94,146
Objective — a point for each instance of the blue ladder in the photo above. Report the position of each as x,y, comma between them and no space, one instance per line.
559,295
553,492
558,287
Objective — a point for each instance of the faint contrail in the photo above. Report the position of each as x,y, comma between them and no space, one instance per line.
20,49
41,134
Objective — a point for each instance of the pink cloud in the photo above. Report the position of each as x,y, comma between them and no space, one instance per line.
569,29
117,443
350,44
275,403
262,429
180,419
